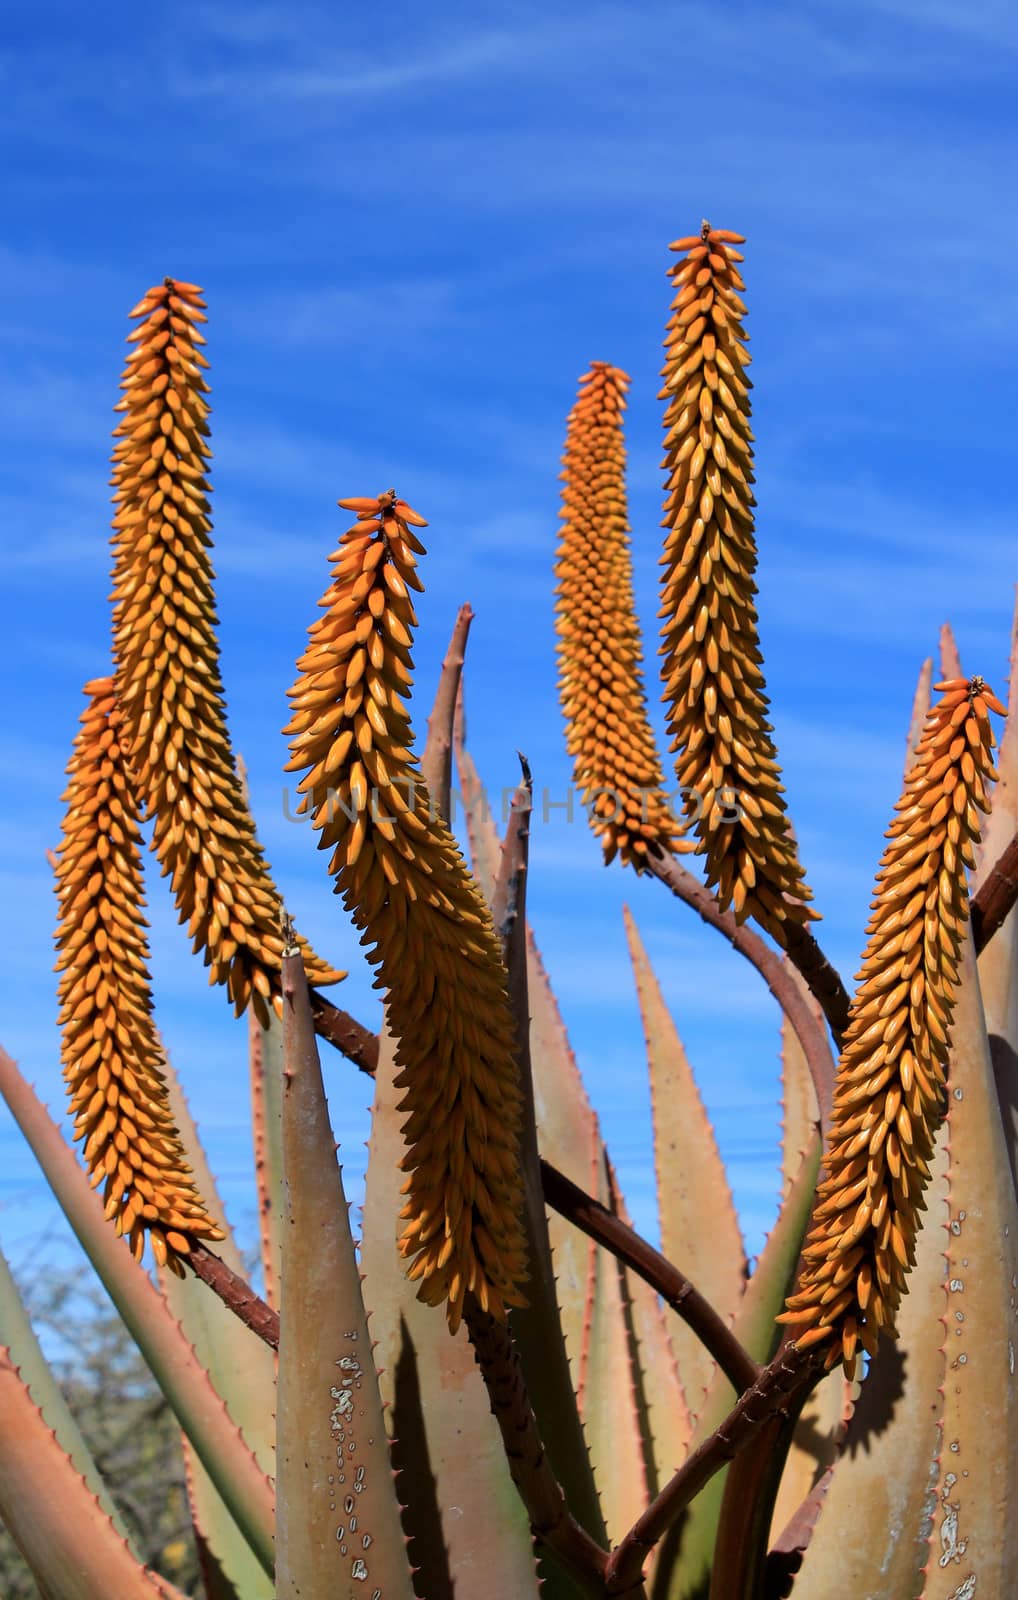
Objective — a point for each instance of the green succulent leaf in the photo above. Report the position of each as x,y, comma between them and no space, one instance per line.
241,1369
337,1516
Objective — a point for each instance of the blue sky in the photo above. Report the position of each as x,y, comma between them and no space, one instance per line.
416,227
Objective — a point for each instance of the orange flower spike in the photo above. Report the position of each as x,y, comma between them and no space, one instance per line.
112,1055
714,688
616,765
425,924
891,1079
167,656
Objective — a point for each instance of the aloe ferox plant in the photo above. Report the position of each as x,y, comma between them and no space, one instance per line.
591,1416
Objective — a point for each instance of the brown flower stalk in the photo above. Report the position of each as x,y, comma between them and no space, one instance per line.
428,929
167,657
889,1096
608,733
111,1052
714,688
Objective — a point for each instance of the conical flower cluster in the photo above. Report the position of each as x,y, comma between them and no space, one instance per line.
112,1056
889,1096
426,925
714,688
608,734
167,657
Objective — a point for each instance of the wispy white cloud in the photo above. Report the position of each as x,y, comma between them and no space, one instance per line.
343,76
987,23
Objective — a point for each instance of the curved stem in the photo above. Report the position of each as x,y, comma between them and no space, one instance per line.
551,1521
349,1036
747,1507
235,1293
776,1390
821,976
674,1287
997,896
806,955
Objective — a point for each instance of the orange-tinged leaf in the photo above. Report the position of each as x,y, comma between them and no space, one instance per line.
67,1540
950,660
920,711
338,1522
18,1337
699,1227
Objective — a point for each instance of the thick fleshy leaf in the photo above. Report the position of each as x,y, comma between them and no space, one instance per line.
537,1326
950,660
18,1337
462,1511
68,1541
265,1058
170,1358
337,1521
241,1367
976,1492
570,1138
436,761
920,709
482,834
566,1124
699,1227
